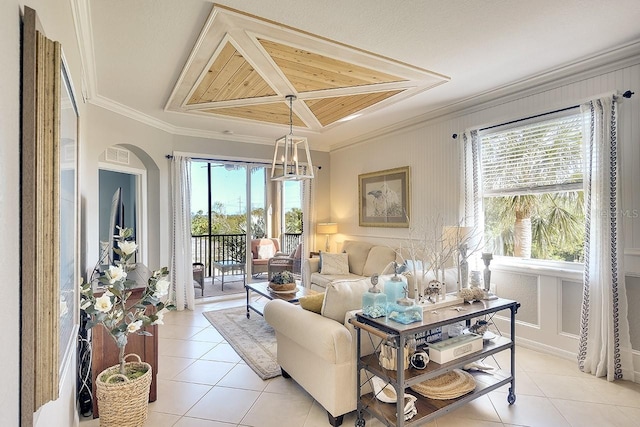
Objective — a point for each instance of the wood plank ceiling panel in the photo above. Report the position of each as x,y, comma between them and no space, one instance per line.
230,77
331,80
277,113
330,110
308,71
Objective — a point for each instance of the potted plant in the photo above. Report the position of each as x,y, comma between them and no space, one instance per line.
283,281
123,390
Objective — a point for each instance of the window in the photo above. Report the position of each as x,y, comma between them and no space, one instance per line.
532,189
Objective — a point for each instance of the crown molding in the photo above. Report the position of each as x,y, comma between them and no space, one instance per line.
80,10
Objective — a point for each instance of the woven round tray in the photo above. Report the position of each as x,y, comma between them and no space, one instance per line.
446,386
282,287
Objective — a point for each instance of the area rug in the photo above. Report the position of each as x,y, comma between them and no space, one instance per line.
253,339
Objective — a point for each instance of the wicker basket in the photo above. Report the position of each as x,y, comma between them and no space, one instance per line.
282,287
123,404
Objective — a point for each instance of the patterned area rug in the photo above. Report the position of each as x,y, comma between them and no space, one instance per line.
253,339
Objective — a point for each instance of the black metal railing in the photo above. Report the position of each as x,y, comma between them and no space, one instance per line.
207,249
289,242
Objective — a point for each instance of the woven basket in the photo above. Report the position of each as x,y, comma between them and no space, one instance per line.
284,287
123,404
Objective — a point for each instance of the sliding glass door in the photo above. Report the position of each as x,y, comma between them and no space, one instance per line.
222,222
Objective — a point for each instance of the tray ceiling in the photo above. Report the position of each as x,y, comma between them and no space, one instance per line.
243,67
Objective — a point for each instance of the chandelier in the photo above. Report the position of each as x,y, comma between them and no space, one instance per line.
291,158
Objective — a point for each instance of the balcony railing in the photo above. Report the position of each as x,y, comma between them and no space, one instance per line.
207,248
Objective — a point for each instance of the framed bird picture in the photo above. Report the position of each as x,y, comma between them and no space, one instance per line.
385,198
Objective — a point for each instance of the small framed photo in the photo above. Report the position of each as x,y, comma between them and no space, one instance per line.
385,198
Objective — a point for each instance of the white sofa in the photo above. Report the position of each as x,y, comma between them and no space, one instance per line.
365,259
319,350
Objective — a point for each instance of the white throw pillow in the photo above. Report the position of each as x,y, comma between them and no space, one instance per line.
334,263
266,251
342,296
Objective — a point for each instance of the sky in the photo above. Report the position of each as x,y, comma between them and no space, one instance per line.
228,187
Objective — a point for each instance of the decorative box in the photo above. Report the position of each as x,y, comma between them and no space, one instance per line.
404,311
426,337
453,348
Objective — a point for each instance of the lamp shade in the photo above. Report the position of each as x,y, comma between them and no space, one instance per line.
327,228
291,159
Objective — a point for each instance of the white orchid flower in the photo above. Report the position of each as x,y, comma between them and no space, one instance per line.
134,326
127,248
116,273
162,288
103,304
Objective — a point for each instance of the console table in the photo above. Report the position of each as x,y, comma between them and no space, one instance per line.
403,377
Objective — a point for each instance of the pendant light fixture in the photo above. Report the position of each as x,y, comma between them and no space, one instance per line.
291,158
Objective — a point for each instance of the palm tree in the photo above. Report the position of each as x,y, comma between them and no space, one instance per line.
548,225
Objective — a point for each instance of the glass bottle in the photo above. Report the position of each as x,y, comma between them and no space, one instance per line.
395,287
374,302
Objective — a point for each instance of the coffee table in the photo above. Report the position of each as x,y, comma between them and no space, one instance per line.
262,288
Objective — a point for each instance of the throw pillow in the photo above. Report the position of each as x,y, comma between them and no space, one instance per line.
312,302
266,251
342,296
334,263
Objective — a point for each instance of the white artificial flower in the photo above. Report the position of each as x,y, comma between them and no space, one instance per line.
134,326
127,248
160,319
85,304
115,274
162,288
103,304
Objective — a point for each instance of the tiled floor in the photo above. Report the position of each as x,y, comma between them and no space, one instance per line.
202,382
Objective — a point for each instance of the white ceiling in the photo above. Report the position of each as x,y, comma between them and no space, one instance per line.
134,51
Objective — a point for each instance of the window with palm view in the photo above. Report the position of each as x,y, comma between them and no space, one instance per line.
532,189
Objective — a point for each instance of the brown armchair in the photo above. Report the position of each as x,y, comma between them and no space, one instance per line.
261,251
292,263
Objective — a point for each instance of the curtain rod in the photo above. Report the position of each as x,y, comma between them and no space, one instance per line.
626,94
243,162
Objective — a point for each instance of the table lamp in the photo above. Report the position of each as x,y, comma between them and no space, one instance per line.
327,228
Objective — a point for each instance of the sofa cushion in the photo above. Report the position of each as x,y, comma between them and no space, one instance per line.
342,296
323,280
334,263
266,251
358,253
378,260
312,302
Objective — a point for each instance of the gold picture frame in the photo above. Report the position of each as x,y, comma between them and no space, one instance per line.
385,198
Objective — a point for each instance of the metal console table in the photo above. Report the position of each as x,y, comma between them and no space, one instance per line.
402,378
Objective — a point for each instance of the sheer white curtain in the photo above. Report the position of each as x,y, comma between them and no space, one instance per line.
471,194
605,347
308,218
182,291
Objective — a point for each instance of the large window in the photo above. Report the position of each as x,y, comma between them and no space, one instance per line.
532,189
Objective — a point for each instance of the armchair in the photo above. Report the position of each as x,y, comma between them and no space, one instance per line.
261,251
292,263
